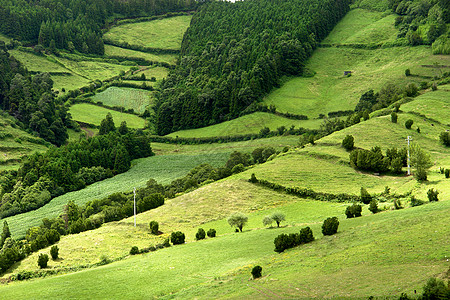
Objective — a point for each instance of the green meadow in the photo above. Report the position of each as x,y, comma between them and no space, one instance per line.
165,33
129,98
116,51
93,114
248,124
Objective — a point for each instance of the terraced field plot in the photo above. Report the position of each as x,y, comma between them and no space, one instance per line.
163,34
93,114
117,51
129,98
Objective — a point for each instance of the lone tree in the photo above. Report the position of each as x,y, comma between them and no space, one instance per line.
238,220
154,227
348,142
421,161
278,217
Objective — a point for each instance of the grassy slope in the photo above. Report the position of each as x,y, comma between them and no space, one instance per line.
136,99
93,114
164,34
247,124
116,51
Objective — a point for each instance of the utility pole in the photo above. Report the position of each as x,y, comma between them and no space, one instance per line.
409,139
134,192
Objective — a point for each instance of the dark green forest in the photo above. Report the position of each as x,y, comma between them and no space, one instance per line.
75,24
234,53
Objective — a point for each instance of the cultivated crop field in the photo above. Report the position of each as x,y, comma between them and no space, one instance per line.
93,114
136,99
248,124
116,51
165,33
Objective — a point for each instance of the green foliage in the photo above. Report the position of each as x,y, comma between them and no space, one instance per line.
237,220
394,117
416,202
348,142
211,233
407,72
285,241
435,289
201,234
421,161
267,221
373,206
365,196
278,217
5,234
447,173
432,195
107,125
177,238
444,137
409,123
353,211
42,260
256,272
54,252
134,250
330,226
369,160
154,227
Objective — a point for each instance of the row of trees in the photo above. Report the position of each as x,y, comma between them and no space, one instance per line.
75,24
234,53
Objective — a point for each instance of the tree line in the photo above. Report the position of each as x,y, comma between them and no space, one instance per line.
234,53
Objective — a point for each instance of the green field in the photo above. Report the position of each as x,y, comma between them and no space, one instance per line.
116,51
248,124
93,114
163,34
136,99
158,72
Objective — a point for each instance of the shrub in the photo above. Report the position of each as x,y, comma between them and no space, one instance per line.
444,137
409,123
256,272
42,260
177,238
166,242
421,174
353,211
134,250
278,217
154,227
306,235
432,195
348,142
373,206
407,72
253,178
447,173
201,234
435,289
54,251
394,117
284,241
238,220
267,221
330,226
416,202
365,196
211,233
397,204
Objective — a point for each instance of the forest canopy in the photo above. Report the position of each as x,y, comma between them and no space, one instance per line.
234,53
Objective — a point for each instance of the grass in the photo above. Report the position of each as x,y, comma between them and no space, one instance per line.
37,63
383,254
158,72
135,99
163,34
93,114
116,51
164,169
248,124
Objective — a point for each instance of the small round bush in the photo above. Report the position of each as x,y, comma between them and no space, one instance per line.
256,272
154,227
177,237
54,252
42,260
134,250
201,234
432,195
407,72
330,226
348,142
409,123
211,233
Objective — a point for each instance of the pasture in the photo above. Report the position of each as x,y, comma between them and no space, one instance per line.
93,114
116,51
129,98
165,33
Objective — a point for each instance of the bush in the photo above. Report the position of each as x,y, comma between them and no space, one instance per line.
409,123
444,137
154,227
256,272
416,202
134,250
365,196
267,221
253,178
353,211
373,206
421,174
435,289
348,142
432,195
394,117
211,233
447,173
177,238
407,72
54,251
330,226
306,235
201,234
397,204
42,260
284,241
